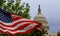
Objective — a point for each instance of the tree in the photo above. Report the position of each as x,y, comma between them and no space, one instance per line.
58,34
21,10
16,7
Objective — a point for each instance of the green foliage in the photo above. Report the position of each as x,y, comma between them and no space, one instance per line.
37,33
16,7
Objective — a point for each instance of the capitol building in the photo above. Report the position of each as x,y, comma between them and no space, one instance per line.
41,18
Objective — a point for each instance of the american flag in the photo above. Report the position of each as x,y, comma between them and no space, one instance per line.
19,25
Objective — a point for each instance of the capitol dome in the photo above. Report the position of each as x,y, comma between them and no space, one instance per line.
41,18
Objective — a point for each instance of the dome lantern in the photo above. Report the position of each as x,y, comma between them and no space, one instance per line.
39,10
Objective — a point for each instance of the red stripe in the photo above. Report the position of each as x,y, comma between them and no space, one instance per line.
22,27
27,32
19,28
19,22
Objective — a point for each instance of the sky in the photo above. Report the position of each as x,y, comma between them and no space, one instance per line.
50,9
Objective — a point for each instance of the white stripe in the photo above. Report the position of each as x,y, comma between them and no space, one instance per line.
14,21
39,29
3,30
20,24
9,30
30,26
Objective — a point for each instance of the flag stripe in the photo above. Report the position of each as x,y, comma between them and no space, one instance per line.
16,23
19,25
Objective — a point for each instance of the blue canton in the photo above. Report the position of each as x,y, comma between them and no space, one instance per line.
5,16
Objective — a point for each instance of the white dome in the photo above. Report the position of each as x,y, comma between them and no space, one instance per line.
40,18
